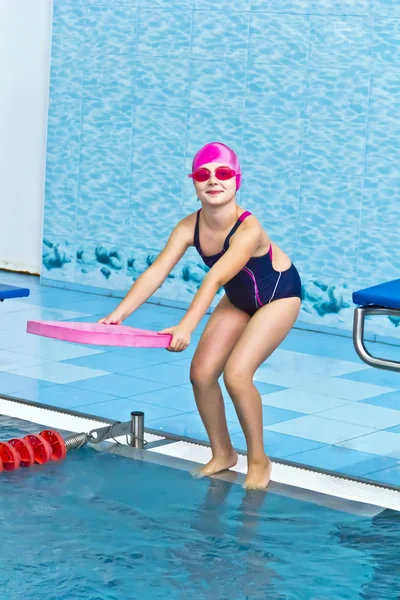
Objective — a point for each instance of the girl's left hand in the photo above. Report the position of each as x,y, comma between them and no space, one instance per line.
180,338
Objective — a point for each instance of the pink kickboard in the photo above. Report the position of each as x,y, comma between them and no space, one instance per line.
99,334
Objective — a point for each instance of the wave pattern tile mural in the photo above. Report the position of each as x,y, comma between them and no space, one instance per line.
306,92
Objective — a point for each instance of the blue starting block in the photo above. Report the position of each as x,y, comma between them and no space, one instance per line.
383,300
10,291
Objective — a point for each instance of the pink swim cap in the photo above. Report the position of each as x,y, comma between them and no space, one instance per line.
217,152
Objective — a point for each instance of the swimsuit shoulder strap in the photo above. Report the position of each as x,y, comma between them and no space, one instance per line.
196,238
240,220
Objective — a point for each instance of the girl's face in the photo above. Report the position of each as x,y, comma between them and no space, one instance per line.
219,188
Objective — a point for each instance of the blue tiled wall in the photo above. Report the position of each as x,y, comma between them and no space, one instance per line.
306,91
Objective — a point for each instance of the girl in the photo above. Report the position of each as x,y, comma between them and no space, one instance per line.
260,306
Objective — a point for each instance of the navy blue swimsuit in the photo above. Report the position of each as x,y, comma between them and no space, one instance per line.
257,283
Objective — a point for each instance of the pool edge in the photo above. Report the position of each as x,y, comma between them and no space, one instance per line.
285,473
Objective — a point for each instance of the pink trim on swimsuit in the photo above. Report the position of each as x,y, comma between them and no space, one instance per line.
244,215
257,295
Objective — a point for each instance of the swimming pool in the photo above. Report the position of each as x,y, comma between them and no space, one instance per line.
103,527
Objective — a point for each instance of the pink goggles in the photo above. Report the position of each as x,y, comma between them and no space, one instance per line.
222,173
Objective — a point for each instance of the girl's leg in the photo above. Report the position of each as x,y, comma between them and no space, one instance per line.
265,331
220,336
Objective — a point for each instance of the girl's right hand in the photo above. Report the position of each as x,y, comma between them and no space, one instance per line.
114,318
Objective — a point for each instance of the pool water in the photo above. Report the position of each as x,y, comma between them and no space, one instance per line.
104,527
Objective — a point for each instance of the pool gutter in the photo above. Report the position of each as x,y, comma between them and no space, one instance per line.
287,477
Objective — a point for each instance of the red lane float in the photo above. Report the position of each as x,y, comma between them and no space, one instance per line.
25,450
41,448
9,457
34,448
58,447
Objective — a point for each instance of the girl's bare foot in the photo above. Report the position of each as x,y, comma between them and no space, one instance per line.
258,474
218,463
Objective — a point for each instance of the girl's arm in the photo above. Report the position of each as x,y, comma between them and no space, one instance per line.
151,279
242,247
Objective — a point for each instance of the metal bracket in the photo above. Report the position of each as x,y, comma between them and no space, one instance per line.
358,336
133,430
96,436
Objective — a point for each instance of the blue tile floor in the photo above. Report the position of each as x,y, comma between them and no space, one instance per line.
322,406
